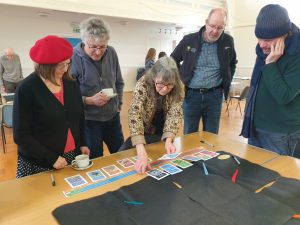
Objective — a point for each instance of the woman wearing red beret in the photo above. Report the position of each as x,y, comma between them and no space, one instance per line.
48,117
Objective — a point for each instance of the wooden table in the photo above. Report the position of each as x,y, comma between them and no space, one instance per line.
30,200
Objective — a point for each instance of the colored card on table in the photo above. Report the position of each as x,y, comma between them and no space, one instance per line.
181,163
203,156
171,169
96,175
157,174
135,158
169,156
126,163
193,158
112,170
209,153
76,181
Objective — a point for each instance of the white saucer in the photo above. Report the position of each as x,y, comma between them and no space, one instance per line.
113,95
82,168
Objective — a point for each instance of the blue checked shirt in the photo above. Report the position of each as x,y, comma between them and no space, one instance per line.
207,69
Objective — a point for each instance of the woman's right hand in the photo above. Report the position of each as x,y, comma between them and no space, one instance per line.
142,163
60,163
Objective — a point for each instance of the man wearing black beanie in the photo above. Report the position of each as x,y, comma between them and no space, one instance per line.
272,114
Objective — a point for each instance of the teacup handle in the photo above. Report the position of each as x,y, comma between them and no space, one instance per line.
73,163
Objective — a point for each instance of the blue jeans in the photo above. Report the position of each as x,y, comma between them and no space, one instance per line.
206,105
109,132
283,144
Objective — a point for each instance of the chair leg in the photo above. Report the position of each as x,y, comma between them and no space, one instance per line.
227,106
240,108
3,137
3,133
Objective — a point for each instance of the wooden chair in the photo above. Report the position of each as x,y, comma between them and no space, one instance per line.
240,97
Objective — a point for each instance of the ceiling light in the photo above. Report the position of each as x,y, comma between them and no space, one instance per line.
43,14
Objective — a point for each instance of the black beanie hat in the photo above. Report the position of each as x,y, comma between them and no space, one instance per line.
272,21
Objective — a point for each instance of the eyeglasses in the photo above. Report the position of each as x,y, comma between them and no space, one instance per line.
96,48
9,56
162,85
64,65
215,27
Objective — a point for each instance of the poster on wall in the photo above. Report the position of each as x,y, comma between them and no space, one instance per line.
73,41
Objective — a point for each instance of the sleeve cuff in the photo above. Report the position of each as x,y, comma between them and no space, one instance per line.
138,139
167,135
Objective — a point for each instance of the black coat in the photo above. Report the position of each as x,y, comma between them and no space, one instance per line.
188,51
41,122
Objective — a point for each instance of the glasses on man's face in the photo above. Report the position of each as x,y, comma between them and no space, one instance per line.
160,85
64,65
95,48
9,56
215,27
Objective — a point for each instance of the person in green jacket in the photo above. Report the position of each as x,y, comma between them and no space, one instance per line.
272,119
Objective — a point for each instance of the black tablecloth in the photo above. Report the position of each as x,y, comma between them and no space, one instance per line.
205,200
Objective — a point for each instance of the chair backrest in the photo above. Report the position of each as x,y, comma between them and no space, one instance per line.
8,97
244,93
7,114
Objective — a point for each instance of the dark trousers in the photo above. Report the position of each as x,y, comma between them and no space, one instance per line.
10,87
109,132
199,105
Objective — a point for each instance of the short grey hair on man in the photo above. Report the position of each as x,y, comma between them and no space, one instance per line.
94,28
219,10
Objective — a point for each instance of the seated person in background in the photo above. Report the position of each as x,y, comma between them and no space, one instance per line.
48,111
161,54
150,58
10,71
156,110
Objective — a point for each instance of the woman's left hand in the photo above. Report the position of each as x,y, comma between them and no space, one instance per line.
85,150
169,146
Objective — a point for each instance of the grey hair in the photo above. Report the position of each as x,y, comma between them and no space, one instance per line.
94,28
166,69
218,10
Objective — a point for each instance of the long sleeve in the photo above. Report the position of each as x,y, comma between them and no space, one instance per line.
283,86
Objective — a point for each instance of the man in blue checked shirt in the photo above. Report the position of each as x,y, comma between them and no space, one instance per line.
208,65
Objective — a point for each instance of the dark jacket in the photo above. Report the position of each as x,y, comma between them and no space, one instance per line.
41,122
188,51
91,82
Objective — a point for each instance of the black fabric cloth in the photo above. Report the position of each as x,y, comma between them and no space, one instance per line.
293,222
250,175
202,200
285,190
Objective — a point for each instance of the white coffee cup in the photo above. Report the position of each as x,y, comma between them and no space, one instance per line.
81,161
108,91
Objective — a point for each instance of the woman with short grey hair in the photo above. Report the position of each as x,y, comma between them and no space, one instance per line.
95,66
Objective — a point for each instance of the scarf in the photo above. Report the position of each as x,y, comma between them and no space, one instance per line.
292,47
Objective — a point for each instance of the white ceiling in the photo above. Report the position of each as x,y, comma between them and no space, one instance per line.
155,14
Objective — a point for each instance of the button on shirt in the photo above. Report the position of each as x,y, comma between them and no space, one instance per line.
207,69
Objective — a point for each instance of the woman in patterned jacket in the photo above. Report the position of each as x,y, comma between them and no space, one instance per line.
156,110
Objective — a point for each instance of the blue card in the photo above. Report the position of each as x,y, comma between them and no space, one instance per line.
171,169
96,175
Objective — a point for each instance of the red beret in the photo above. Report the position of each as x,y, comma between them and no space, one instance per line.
51,50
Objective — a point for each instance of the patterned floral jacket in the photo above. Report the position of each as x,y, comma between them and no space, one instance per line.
142,111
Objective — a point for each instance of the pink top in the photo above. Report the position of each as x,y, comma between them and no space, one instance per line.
70,143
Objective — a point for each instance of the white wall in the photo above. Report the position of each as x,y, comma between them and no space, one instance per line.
21,28
242,18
